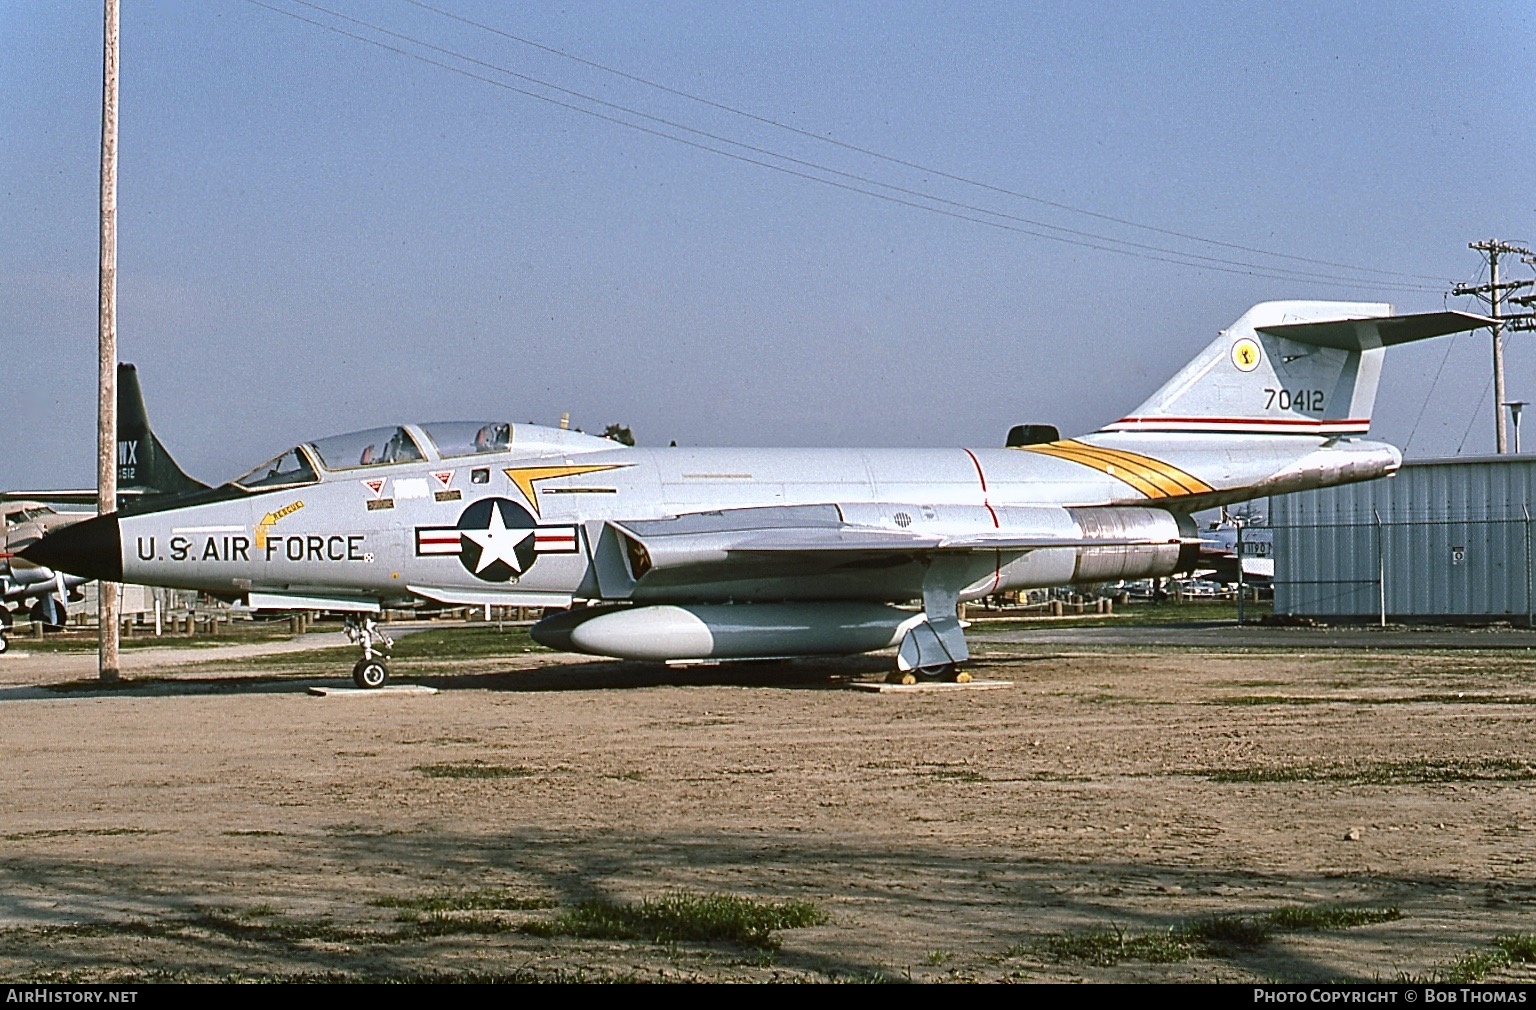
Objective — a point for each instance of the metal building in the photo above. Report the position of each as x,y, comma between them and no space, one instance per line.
1444,539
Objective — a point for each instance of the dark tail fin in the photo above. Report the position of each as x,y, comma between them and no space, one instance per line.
144,467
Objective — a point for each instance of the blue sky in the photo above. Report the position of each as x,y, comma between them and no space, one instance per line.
318,234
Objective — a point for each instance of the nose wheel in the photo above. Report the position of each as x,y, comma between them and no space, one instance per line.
372,671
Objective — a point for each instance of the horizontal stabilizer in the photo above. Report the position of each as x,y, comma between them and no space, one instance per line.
1383,331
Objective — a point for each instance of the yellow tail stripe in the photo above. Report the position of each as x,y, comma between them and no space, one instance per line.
1152,477
1134,479
1114,464
1179,481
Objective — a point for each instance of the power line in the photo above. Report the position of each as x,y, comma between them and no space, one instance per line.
1277,272
962,211
1449,345
868,152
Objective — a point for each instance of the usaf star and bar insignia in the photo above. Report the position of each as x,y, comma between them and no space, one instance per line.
496,539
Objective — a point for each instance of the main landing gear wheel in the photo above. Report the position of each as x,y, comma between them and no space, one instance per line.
4,643
939,673
370,674
49,612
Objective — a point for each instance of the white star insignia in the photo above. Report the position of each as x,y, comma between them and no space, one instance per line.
497,543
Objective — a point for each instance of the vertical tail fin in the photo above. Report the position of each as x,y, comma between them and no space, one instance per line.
144,466
1289,368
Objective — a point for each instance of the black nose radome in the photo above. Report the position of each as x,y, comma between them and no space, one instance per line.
92,549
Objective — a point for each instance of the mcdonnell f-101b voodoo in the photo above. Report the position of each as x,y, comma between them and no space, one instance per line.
682,554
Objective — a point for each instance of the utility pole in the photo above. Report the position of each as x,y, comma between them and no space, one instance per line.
106,333
1523,320
1494,294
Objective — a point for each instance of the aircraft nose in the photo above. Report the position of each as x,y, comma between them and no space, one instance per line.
92,549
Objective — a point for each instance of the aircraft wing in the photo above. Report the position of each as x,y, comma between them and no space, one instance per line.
83,497
776,536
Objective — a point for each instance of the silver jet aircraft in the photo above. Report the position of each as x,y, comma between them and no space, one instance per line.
715,554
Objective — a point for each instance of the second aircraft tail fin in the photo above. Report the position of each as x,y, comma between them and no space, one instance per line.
144,466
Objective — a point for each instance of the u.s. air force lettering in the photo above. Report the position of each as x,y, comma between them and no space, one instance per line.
496,540
299,547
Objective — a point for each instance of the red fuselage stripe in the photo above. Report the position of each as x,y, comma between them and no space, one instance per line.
1291,422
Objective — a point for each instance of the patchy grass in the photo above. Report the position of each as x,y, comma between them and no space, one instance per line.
1213,935
1167,612
1323,918
1231,931
254,833
951,773
480,642
1519,948
21,836
494,899
1412,699
682,918
419,650
1415,772
451,924
475,770
1106,947
82,640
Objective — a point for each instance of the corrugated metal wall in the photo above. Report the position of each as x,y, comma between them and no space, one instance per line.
1443,538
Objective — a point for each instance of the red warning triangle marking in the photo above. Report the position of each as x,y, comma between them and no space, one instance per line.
376,485
443,477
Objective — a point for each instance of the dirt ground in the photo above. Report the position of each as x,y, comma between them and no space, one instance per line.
1086,824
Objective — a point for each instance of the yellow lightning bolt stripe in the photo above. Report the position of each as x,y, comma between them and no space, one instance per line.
1169,478
1152,477
270,520
525,476
1133,478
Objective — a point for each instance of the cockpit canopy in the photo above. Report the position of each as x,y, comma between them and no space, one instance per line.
468,438
374,447
28,512
378,447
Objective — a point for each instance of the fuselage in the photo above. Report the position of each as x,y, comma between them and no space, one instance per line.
441,526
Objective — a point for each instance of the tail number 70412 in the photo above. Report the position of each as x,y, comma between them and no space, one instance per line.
1310,400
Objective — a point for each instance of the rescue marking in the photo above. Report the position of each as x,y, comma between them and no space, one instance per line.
271,519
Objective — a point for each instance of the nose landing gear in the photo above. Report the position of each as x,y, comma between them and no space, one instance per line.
372,671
